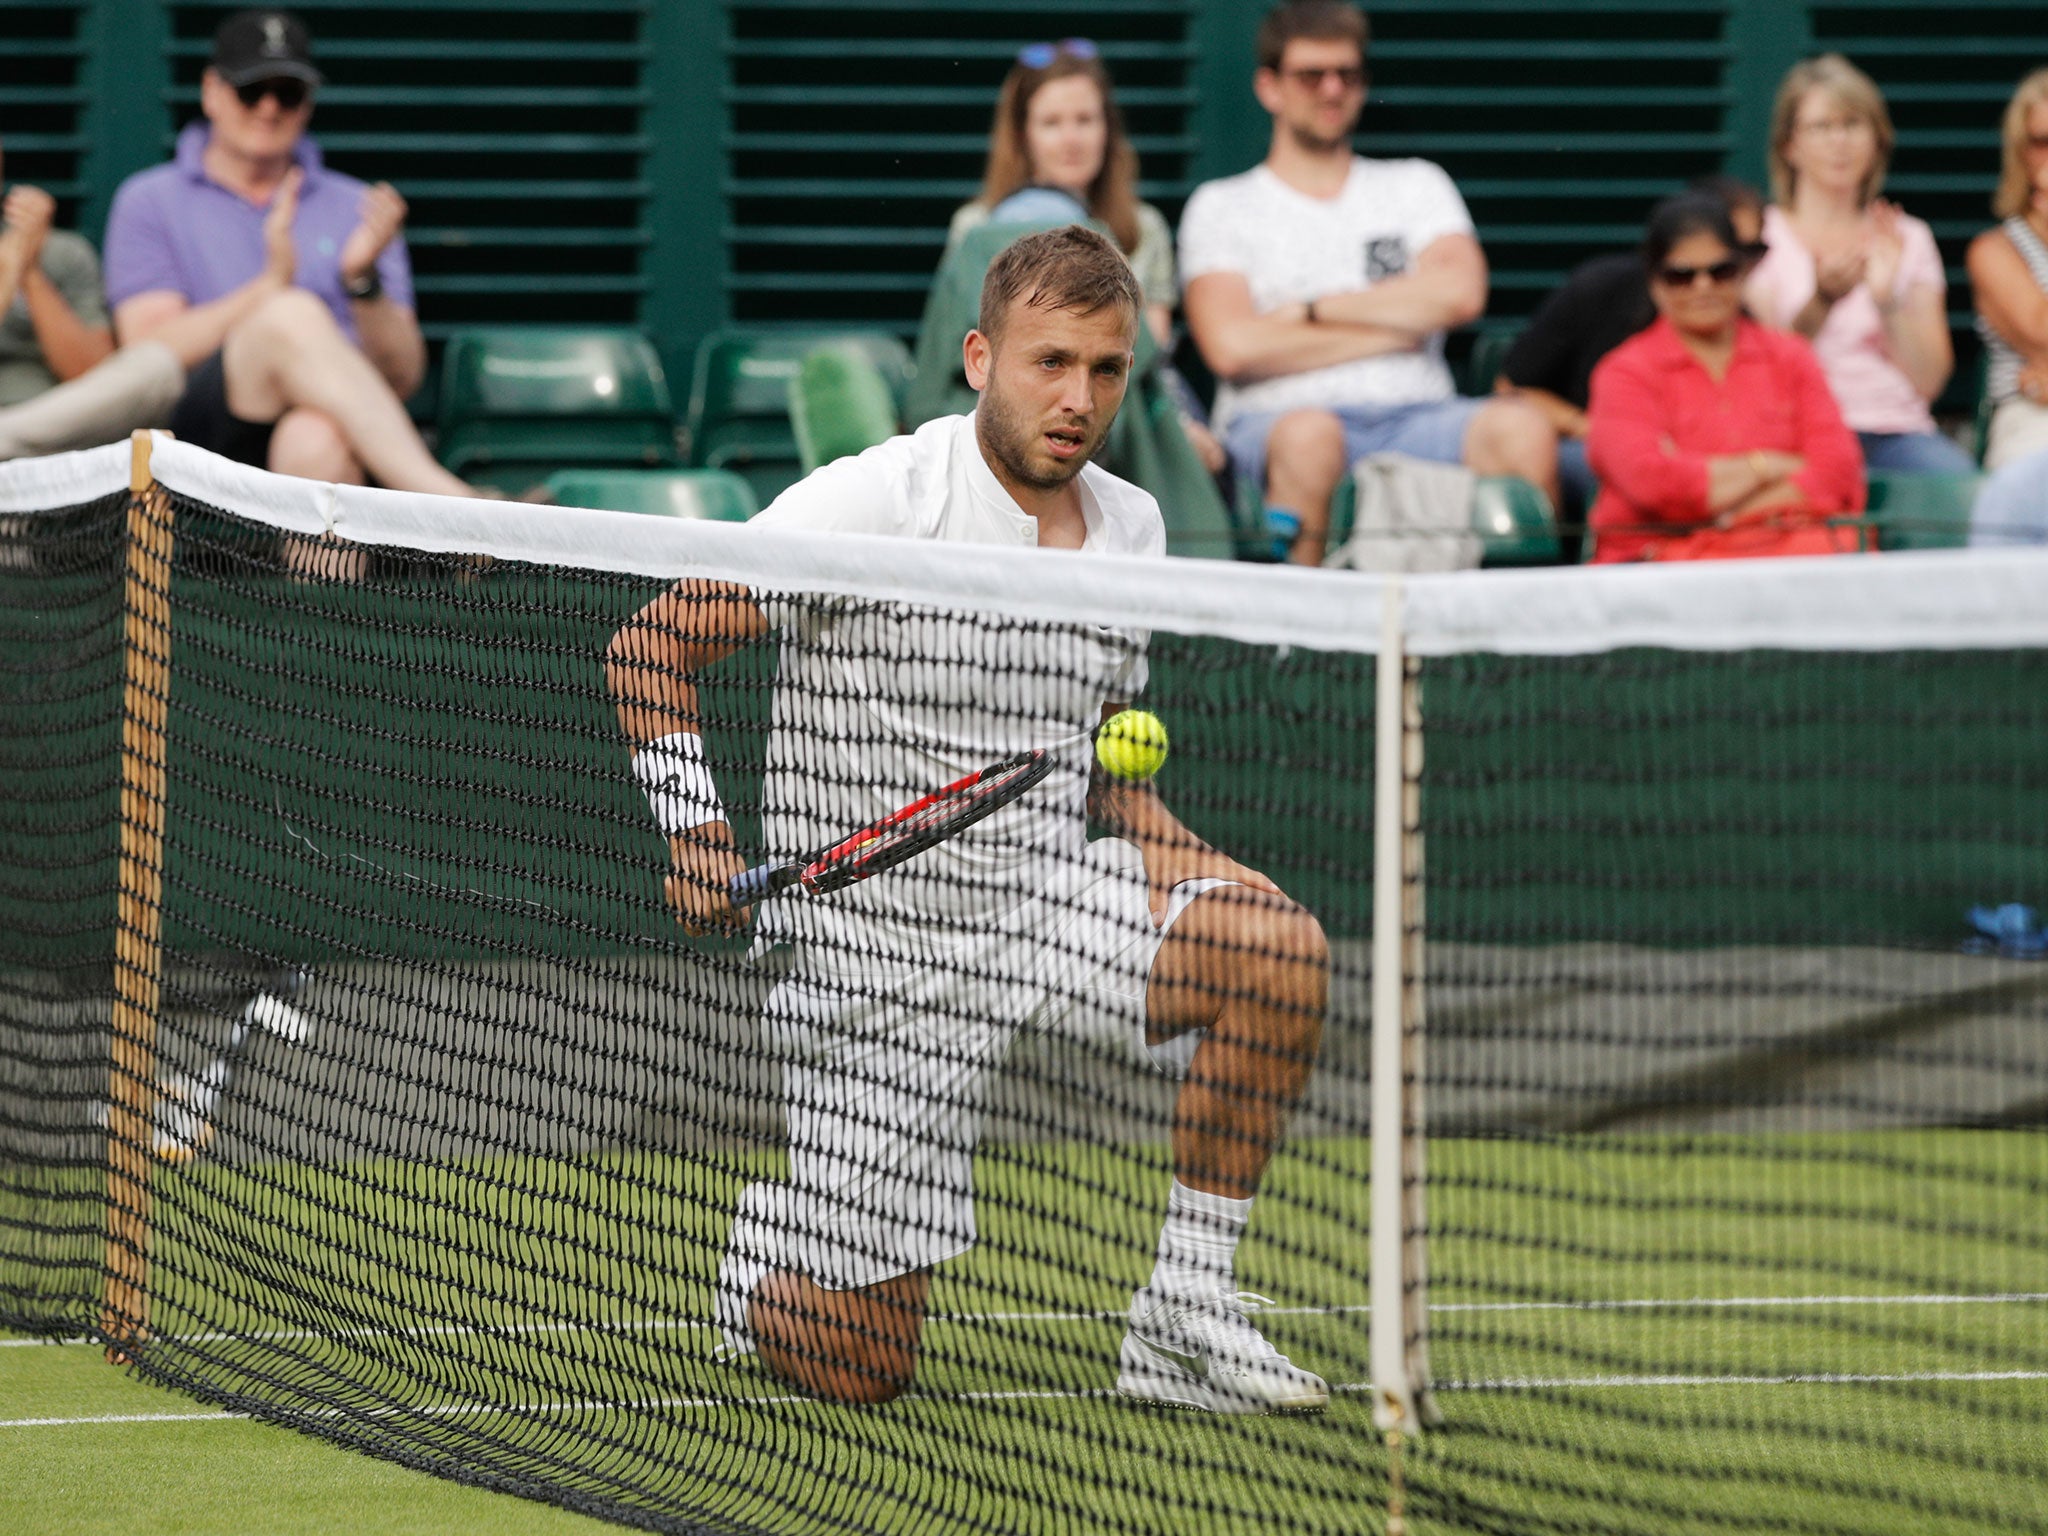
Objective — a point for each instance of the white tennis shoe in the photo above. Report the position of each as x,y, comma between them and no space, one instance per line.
1203,1352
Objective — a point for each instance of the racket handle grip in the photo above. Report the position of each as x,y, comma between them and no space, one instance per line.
760,882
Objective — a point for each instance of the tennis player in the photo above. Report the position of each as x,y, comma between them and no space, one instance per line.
905,991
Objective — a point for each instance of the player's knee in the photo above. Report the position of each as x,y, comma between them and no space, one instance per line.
1295,972
852,1347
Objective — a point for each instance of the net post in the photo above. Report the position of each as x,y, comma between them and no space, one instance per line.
1399,1336
138,953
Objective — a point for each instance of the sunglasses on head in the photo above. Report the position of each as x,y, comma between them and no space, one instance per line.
1041,55
291,93
1684,277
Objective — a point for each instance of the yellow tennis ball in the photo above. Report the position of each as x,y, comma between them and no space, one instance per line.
1131,745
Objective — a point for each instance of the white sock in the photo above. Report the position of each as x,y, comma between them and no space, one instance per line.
1198,1243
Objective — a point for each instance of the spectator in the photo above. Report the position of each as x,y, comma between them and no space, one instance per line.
286,283
2012,505
1712,434
1319,286
1057,149
60,387
1601,304
1852,273
53,317
2009,275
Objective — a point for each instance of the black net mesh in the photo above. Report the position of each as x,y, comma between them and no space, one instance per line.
1735,1162
461,1151
454,1127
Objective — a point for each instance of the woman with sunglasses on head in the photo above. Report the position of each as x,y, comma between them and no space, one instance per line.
1852,273
1712,435
1058,148
2009,277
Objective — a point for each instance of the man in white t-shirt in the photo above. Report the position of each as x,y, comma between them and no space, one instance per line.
904,992
1319,285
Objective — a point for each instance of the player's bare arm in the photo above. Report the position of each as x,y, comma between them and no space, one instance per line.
651,668
1132,810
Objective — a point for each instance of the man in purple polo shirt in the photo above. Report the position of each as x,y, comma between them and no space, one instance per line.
284,284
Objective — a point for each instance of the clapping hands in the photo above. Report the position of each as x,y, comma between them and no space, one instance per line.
380,218
27,214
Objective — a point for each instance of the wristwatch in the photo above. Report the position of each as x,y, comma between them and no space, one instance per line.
365,288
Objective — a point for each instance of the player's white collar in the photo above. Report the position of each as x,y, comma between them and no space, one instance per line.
983,480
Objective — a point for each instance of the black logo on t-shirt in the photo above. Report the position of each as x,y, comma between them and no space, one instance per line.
1386,256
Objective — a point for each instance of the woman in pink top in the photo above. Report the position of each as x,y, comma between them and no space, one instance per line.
1714,436
1852,273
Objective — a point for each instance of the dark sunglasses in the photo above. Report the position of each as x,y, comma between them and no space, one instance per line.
1684,277
291,94
1041,55
1350,76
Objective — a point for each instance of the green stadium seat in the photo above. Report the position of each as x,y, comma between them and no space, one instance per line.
1489,350
1922,511
839,404
1514,520
739,416
519,402
715,495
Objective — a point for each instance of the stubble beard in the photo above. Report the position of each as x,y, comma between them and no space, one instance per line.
1006,440
1316,144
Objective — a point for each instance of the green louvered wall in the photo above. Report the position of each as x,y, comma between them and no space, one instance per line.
685,163
43,97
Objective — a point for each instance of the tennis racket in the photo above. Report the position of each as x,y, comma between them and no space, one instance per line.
898,837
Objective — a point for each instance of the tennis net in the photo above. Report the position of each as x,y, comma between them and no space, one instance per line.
360,1077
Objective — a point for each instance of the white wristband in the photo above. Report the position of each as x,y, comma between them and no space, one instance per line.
680,789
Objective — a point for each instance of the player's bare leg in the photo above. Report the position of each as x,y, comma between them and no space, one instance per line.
858,1347
1252,970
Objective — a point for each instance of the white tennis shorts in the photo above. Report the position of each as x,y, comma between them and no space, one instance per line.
885,1091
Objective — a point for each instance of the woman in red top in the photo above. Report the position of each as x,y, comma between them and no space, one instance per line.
1712,435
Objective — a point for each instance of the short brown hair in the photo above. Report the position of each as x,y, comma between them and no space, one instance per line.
1067,268
1319,20
2015,186
1858,95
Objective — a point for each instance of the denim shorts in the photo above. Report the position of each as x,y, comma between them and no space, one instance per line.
1433,430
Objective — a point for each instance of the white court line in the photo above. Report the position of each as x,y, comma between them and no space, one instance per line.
691,1325
1500,1384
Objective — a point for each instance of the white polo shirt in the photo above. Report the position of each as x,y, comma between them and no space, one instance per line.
877,704
1291,248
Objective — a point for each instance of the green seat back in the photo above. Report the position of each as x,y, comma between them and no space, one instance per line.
1489,351
524,399
1515,521
739,416
1921,511
716,495
1983,406
839,404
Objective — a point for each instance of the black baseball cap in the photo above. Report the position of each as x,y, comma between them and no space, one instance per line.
264,45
